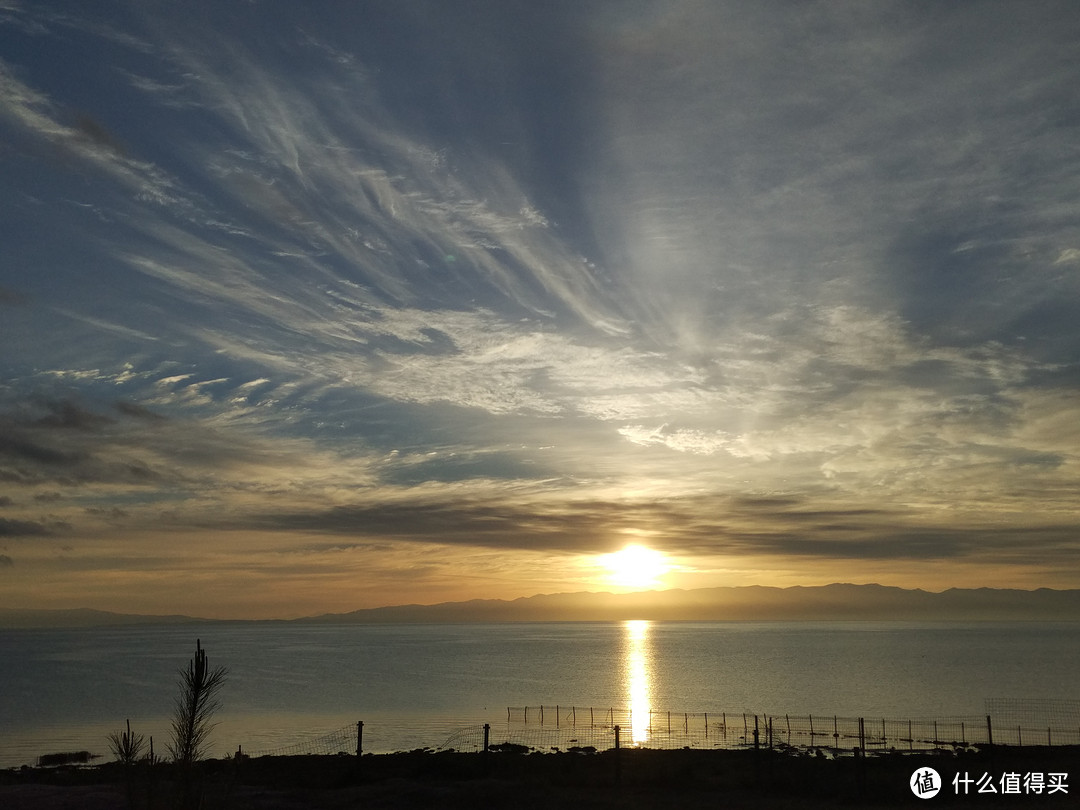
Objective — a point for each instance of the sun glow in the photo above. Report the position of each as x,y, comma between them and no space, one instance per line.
635,567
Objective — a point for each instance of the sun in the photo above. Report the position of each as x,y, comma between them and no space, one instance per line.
635,567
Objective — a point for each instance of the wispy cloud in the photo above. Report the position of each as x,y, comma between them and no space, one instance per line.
773,288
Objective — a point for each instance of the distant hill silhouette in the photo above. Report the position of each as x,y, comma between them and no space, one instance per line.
839,601
83,617
750,603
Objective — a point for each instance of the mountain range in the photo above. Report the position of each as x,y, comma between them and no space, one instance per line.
836,602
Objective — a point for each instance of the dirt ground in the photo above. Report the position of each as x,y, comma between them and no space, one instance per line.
624,779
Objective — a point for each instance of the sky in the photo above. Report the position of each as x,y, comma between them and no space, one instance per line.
307,308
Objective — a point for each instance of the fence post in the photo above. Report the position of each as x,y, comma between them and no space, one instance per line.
860,759
989,731
755,733
618,761
487,736
359,737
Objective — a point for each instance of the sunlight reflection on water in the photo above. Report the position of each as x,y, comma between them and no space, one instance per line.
637,676
416,685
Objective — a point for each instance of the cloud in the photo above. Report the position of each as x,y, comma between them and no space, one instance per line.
542,280
85,143
115,513
138,411
23,528
68,415
18,447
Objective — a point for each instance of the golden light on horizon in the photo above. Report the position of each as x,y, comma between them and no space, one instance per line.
635,567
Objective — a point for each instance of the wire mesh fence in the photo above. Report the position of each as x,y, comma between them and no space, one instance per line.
339,741
1020,723
1031,716
568,728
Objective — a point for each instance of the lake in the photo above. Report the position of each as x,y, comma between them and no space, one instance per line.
412,685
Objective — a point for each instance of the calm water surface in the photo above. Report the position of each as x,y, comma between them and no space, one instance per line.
412,684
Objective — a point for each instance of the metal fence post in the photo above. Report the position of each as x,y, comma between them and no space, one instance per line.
487,736
359,737
618,761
